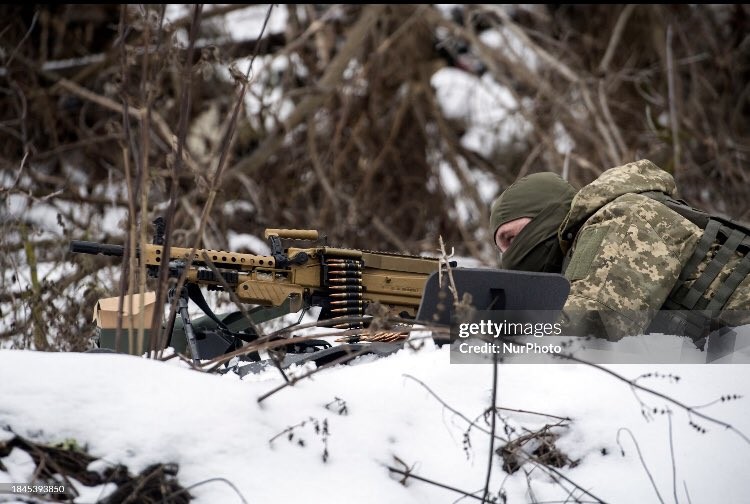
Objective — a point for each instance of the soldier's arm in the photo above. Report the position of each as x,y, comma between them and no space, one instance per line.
625,260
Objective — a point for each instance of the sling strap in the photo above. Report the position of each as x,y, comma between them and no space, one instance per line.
234,337
196,296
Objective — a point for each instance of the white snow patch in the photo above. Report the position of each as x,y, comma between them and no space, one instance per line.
137,412
247,241
503,39
488,109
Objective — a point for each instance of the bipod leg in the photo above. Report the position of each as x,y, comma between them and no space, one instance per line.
169,329
182,308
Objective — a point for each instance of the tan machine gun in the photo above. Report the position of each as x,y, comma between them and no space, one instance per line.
343,282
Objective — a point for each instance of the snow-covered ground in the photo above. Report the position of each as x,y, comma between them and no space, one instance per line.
136,411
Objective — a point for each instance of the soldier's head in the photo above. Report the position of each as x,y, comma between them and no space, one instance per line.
524,222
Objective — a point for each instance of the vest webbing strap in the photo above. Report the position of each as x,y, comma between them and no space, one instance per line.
701,250
699,287
730,283
736,236
689,322
688,310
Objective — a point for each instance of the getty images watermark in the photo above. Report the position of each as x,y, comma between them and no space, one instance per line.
539,336
488,337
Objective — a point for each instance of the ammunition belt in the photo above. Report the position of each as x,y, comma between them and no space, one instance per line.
343,277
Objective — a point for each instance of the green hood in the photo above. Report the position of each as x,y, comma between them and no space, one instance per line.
545,198
637,177
528,197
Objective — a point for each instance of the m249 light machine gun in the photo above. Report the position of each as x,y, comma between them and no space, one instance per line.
341,281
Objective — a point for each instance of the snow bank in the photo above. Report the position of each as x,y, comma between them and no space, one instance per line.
137,412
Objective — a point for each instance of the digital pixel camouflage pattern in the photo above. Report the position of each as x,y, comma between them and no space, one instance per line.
627,252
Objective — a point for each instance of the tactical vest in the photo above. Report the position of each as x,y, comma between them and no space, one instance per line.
689,310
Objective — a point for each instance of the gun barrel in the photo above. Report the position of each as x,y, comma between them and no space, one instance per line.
87,247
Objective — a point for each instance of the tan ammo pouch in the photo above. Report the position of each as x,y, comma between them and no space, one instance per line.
105,317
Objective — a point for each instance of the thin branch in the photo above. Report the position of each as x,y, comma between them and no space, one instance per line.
689,409
232,294
499,408
604,103
444,263
527,457
671,454
614,40
640,456
341,360
23,39
196,485
673,119
409,474
551,60
182,127
493,412
310,104
687,494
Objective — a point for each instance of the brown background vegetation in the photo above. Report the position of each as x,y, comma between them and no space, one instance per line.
102,89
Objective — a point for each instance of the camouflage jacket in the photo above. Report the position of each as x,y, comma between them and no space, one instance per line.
626,252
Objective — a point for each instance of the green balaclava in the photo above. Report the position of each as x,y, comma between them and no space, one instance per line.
545,198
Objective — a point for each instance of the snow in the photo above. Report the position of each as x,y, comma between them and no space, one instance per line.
240,241
488,109
243,23
503,38
249,21
136,411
